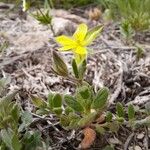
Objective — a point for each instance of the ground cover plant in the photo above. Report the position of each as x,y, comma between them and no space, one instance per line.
84,88
86,109
14,123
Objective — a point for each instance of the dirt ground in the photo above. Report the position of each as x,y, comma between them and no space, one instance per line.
112,63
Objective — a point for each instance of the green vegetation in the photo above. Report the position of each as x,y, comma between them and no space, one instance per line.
135,12
86,109
15,133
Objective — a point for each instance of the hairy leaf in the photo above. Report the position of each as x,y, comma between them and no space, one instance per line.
109,116
131,112
57,100
120,110
88,119
38,102
101,98
71,102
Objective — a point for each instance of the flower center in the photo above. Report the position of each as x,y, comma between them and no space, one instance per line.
81,43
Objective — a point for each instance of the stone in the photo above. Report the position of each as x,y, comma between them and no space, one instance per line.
140,136
114,141
137,148
63,26
66,15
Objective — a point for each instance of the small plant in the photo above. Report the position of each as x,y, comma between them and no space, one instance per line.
86,109
126,31
139,52
14,131
42,16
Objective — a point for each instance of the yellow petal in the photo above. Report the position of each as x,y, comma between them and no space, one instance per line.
79,58
81,32
65,41
66,48
80,50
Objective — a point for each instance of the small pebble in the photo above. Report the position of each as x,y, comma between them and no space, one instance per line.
137,147
114,141
140,136
130,148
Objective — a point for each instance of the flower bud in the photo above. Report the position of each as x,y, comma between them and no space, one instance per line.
59,66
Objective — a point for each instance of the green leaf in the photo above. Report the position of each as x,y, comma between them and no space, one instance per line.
68,110
88,119
64,120
15,113
120,119
8,98
71,102
74,123
73,116
42,111
43,17
26,117
100,129
50,100
126,30
84,95
16,143
120,110
92,34
109,116
84,92
3,83
57,110
57,100
147,107
107,15
26,120
101,99
59,66
31,140
6,136
131,112
38,102
6,120
143,122
108,148
74,119
75,68
139,52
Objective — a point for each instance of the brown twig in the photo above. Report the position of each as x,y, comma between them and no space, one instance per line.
128,141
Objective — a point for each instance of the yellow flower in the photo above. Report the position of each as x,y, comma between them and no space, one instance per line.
79,41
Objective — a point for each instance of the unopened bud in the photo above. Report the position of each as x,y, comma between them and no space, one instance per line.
59,65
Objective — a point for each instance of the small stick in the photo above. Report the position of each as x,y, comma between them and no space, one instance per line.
128,141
